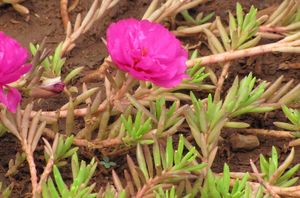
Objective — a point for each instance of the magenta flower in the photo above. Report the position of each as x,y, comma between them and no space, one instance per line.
12,66
148,51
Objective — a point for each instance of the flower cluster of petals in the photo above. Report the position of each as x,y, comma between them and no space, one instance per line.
147,51
13,66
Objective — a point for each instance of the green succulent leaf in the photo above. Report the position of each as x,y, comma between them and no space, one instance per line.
80,187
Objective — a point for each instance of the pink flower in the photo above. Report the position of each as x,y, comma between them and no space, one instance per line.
12,66
148,51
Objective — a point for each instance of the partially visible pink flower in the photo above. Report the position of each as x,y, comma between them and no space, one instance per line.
12,66
10,98
148,51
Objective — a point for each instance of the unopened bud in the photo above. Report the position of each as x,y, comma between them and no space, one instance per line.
53,84
49,88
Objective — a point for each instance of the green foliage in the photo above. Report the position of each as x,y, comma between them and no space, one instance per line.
196,73
107,163
136,129
15,164
3,130
168,119
294,117
170,167
160,193
296,16
219,186
242,31
279,175
63,151
244,98
79,188
203,117
199,19
135,125
206,118
241,98
175,160
73,74
287,15
244,27
110,192
5,192
52,64
173,192
164,166
170,160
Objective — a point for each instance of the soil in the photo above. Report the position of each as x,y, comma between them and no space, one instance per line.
44,21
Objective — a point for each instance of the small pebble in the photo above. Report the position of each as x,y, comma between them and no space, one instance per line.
243,142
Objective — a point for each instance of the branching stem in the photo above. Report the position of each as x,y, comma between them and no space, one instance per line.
262,182
221,80
32,167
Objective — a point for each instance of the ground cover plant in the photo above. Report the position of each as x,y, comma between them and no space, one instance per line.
161,98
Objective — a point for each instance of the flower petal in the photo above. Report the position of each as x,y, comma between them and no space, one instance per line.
10,98
12,60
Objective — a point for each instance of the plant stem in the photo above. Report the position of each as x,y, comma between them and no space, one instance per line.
83,111
151,8
294,143
191,30
293,191
263,182
47,171
98,73
32,167
63,113
89,144
229,56
272,29
124,89
154,181
273,133
64,13
81,26
221,80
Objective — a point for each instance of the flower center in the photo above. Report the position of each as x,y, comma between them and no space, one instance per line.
144,51
139,54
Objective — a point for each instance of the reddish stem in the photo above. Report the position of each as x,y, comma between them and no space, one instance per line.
32,167
64,13
272,29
